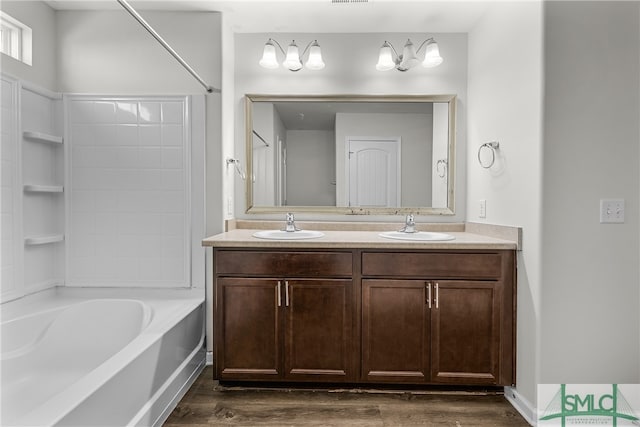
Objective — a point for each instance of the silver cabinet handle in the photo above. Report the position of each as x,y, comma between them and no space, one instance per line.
286,293
429,294
279,293
437,295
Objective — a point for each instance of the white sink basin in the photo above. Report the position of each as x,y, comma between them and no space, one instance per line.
418,236
287,235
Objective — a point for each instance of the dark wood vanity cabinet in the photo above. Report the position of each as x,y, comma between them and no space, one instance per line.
370,316
444,318
396,331
284,315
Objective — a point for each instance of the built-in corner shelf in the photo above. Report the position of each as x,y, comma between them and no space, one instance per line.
42,137
43,240
36,188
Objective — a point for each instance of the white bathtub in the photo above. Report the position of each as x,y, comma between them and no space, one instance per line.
99,357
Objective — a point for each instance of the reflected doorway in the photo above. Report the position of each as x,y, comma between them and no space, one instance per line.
373,171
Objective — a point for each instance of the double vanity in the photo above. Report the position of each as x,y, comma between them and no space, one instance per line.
351,306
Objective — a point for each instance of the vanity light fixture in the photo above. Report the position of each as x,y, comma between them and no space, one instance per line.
389,58
292,56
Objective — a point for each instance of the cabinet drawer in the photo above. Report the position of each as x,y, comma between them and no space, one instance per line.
283,263
432,265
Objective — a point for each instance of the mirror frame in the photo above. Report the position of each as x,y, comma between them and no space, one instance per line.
347,210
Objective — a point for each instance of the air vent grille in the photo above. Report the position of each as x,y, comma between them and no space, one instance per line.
348,1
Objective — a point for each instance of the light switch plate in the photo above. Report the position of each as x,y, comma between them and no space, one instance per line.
611,211
483,209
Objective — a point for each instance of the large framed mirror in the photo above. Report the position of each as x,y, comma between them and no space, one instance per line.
350,154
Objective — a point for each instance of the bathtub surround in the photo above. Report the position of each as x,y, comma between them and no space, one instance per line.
131,185
32,189
117,201
10,265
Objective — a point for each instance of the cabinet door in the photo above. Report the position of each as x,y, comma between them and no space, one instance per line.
248,329
318,331
465,341
395,331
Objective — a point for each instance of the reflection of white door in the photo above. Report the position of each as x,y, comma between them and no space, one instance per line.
373,171
281,164
263,174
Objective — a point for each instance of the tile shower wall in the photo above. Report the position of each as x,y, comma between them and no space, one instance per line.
9,255
31,190
129,198
42,163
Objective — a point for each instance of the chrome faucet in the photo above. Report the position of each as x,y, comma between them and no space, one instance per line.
409,225
291,224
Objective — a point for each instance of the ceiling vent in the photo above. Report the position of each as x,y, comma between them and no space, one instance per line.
348,1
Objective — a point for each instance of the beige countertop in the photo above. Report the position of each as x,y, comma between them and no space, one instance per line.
364,239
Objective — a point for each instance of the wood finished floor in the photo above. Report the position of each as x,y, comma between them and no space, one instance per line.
207,404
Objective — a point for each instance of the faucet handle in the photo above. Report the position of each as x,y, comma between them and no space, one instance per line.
409,225
291,224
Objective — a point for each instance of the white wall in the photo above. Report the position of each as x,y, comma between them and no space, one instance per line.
110,52
228,114
350,69
505,83
41,19
590,324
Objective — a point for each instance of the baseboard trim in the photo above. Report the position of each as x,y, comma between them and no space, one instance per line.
522,405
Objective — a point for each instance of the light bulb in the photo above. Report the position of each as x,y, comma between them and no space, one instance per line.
315,61
269,59
385,58
292,60
409,57
432,56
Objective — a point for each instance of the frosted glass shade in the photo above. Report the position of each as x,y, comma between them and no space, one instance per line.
269,59
432,56
292,60
315,61
385,58
409,57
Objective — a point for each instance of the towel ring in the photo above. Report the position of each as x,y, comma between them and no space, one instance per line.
493,146
441,171
236,164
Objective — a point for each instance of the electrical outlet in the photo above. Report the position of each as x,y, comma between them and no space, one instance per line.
229,206
483,209
611,211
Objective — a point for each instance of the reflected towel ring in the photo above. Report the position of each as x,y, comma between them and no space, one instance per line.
493,146
441,171
236,163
